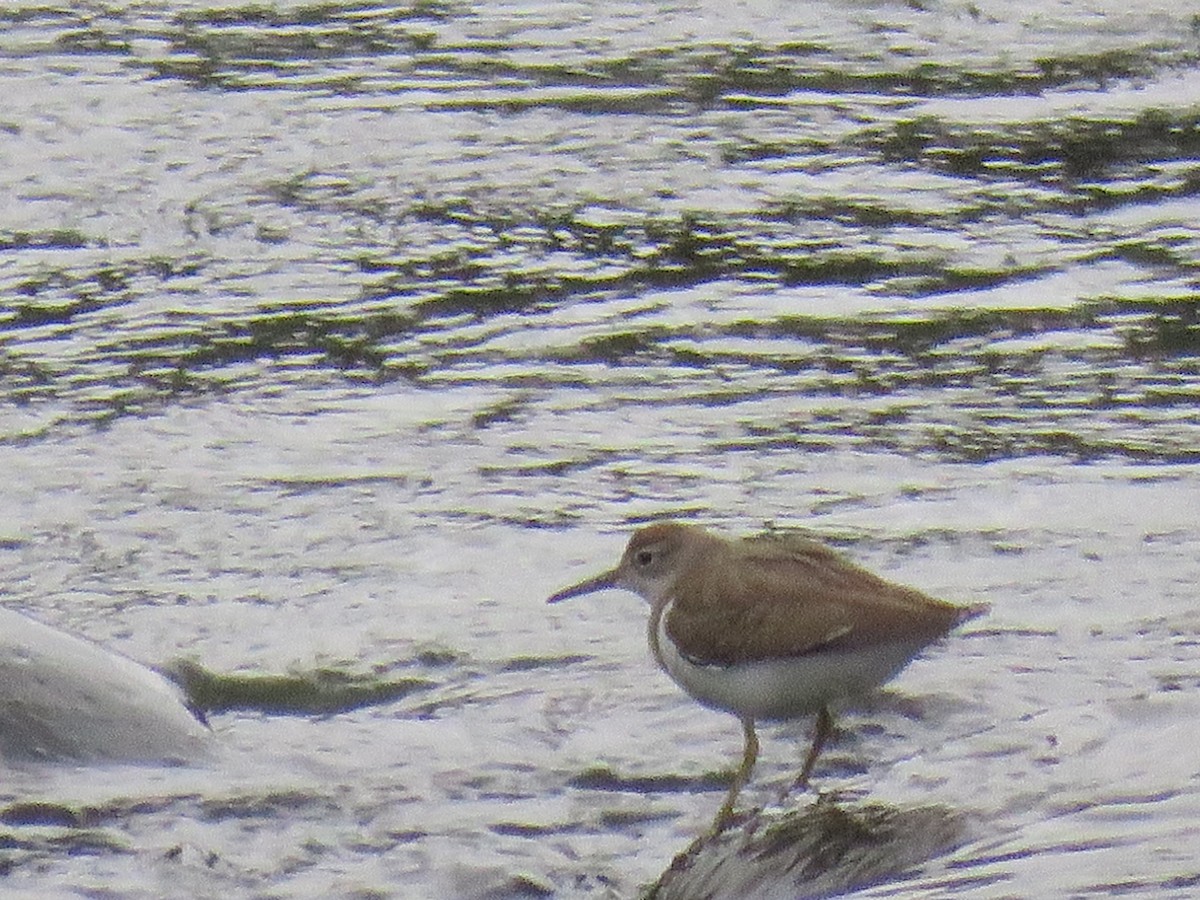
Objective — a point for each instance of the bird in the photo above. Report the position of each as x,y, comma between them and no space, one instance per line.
772,626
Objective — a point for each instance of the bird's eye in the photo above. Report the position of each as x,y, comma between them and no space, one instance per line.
643,558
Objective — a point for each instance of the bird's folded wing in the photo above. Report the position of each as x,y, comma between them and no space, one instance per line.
790,598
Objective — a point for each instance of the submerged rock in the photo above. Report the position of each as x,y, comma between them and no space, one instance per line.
319,692
825,849
65,698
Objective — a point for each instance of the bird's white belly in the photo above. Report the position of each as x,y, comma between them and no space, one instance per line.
783,688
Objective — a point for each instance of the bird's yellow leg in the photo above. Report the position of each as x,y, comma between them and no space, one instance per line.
749,758
821,732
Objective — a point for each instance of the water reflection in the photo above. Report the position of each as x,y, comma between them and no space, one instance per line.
322,321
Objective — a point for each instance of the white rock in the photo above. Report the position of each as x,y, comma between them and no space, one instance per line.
64,698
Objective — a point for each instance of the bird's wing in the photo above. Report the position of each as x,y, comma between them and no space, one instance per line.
790,597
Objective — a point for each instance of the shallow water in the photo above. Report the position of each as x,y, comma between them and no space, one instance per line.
335,336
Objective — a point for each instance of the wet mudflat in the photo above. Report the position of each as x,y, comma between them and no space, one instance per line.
334,336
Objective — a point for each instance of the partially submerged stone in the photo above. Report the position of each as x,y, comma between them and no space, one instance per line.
823,849
65,698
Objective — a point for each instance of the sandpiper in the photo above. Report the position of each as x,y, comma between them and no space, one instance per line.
773,626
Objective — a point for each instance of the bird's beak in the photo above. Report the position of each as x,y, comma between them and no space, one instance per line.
600,582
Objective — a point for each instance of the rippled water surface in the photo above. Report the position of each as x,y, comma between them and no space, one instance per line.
334,336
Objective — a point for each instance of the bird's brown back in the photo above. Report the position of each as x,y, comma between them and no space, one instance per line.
772,597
